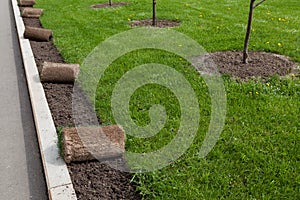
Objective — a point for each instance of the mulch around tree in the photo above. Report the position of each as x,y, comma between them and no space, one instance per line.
106,5
260,64
161,23
95,180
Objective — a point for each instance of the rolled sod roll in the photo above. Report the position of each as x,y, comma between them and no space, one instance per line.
59,72
85,144
32,12
25,3
37,34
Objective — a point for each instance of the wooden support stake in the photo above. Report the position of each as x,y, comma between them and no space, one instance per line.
59,72
32,12
100,143
37,34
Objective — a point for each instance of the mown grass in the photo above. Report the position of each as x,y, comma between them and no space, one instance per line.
257,155
60,140
216,25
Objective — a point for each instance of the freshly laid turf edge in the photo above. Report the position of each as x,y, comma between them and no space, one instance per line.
58,180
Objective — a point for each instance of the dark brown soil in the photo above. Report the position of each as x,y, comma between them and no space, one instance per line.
260,64
59,97
98,181
91,180
106,5
95,180
161,23
33,22
45,51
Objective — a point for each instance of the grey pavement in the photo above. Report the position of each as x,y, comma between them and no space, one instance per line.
21,172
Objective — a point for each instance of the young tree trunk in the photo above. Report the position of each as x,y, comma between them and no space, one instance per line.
154,13
110,2
248,32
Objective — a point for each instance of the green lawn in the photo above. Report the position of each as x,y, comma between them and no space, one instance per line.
257,155
215,24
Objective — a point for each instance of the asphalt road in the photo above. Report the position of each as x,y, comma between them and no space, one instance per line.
21,172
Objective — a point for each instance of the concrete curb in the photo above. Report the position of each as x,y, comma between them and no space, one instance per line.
58,180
